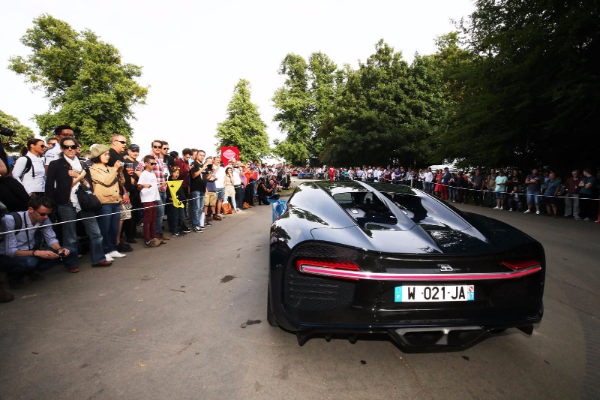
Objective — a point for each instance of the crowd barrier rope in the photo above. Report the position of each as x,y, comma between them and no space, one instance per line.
480,190
390,182
95,216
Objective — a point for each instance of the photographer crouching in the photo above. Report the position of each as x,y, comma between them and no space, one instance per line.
22,254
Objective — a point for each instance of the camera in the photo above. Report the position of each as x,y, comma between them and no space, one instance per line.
5,131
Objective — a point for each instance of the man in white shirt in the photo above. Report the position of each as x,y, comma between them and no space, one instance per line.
60,132
428,179
219,174
30,170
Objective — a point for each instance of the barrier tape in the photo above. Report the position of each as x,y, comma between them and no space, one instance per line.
96,216
487,190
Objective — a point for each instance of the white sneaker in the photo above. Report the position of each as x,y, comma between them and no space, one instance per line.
116,254
537,213
502,208
496,208
510,209
109,258
526,212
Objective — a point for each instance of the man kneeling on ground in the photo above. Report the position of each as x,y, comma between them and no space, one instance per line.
22,254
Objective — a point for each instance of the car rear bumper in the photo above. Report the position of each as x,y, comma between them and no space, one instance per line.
421,338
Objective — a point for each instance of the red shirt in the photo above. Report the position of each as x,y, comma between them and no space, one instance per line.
184,172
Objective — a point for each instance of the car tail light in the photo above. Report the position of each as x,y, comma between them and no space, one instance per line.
321,266
518,265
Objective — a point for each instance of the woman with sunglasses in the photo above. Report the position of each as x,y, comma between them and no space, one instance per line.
65,176
30,169
106,188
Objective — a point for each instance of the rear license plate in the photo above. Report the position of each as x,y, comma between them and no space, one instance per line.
434,293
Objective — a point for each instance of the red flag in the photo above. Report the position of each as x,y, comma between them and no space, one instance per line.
227,153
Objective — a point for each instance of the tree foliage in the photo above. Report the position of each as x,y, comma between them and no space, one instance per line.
303,104
531,91
243,128
386,112
84,79
21,135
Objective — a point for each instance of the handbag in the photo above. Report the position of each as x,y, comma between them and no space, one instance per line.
227,209
88,201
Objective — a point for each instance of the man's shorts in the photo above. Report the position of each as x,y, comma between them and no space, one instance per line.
220,194
210,200
533,198
500,195
550,199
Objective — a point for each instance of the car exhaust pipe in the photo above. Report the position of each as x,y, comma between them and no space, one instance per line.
445,336
528,330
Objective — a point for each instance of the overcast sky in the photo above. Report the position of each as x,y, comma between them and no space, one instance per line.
194,52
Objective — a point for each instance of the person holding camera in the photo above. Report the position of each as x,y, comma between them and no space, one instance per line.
22,253
198,190
106,183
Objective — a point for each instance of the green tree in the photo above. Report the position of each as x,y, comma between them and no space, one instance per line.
87,85
386,112
243,128
294,104
532,89
21,135
303,103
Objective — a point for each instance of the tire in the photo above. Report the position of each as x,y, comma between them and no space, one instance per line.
270,317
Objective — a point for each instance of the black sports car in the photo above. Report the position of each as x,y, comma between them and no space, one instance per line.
349,258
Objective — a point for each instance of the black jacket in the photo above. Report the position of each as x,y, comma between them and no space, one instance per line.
58,175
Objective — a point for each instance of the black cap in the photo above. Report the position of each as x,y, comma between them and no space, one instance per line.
133,147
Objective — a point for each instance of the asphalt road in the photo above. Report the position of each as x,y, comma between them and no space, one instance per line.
167,323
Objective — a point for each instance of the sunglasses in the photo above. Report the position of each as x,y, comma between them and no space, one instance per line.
121,141
41,214
165,148
157,147
72,147
43,146
152,163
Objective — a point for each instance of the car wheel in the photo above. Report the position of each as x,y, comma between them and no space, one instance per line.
270,317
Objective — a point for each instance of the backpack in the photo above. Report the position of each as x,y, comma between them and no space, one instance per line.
18,225
28,167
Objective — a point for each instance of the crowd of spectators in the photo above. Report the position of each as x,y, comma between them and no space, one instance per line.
57,204
542,193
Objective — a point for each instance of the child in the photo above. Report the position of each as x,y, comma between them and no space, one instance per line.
176,216
513,200
148,187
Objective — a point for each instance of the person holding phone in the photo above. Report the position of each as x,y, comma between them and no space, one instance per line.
21,256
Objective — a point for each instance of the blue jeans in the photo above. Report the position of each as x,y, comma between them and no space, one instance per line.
160,212
18,267
109,226
197,206
240,200
220,194
533,198
69,231
175,218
